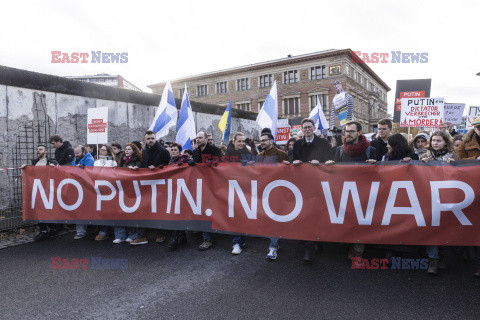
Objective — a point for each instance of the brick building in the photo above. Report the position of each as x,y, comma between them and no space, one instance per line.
299,79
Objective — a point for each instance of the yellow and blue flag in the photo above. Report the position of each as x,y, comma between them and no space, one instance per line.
225,123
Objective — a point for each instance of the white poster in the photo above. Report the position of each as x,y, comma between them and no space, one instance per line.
453,113
473,112
422,112
97,125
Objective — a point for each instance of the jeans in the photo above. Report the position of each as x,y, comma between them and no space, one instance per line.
434,251
81,229
274,243
239,240
140,233
207,236
123,233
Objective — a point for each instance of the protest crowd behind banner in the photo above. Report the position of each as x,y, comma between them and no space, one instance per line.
290,191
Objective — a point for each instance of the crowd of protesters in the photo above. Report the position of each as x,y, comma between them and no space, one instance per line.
351,145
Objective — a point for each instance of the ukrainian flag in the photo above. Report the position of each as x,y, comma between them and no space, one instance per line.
225,123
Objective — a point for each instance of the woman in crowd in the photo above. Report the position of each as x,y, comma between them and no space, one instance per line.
420,142
106,158
440,148
131,157
398,149
289,149
457,141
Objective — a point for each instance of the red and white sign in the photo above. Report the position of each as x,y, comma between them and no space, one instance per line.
283,134
408,94
422,112
413,204
473,112
97,125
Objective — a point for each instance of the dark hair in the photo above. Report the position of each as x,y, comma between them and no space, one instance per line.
387,122
109,151
357,124
458,137
176,145
265,130
138,144
149,132
399,144
307,120
117,145
190,152
42,145
291,140
56,138
269,135
137,154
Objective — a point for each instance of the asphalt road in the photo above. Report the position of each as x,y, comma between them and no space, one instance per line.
189,284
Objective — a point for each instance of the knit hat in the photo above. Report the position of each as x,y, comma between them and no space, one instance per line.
476,121
421,135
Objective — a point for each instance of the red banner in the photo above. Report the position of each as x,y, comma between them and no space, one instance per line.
384,204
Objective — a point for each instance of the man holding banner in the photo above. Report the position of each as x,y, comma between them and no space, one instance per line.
314,150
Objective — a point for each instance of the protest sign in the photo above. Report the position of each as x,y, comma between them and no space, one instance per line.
97,125
473,112
453,113
422,112
283,134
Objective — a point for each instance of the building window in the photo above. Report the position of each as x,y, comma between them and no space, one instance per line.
181,92
260,104
317,73
323,100
291,106
202,90
222,87
243,84
290,76
244,106
266,81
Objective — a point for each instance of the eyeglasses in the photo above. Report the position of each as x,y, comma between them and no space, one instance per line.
265,140
350,131
308,128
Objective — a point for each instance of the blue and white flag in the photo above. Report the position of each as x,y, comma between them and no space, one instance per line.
166,115
318,117
186,124
268,115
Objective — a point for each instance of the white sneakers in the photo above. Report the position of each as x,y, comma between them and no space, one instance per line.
118,241
237,249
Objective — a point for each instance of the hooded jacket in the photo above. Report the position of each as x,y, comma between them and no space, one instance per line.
422,151
470,148
64,155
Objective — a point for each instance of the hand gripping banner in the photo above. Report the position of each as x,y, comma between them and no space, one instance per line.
414,203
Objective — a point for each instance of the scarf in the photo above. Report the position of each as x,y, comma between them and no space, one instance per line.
127,159
353,150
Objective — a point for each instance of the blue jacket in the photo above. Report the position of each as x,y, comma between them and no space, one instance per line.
87,160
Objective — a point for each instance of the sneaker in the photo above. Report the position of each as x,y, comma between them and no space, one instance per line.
100,237
205,245
79,236
272,253
237,249
139,241
432,266
42,235
118,241
129,240
160,239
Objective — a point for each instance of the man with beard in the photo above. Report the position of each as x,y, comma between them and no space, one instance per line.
355,148
384,127
204,153
82,159
313,150
43,160
154,155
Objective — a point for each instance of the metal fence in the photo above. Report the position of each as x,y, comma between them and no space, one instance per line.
29,136
11,199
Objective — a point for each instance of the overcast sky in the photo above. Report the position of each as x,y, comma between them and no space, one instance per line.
171,39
